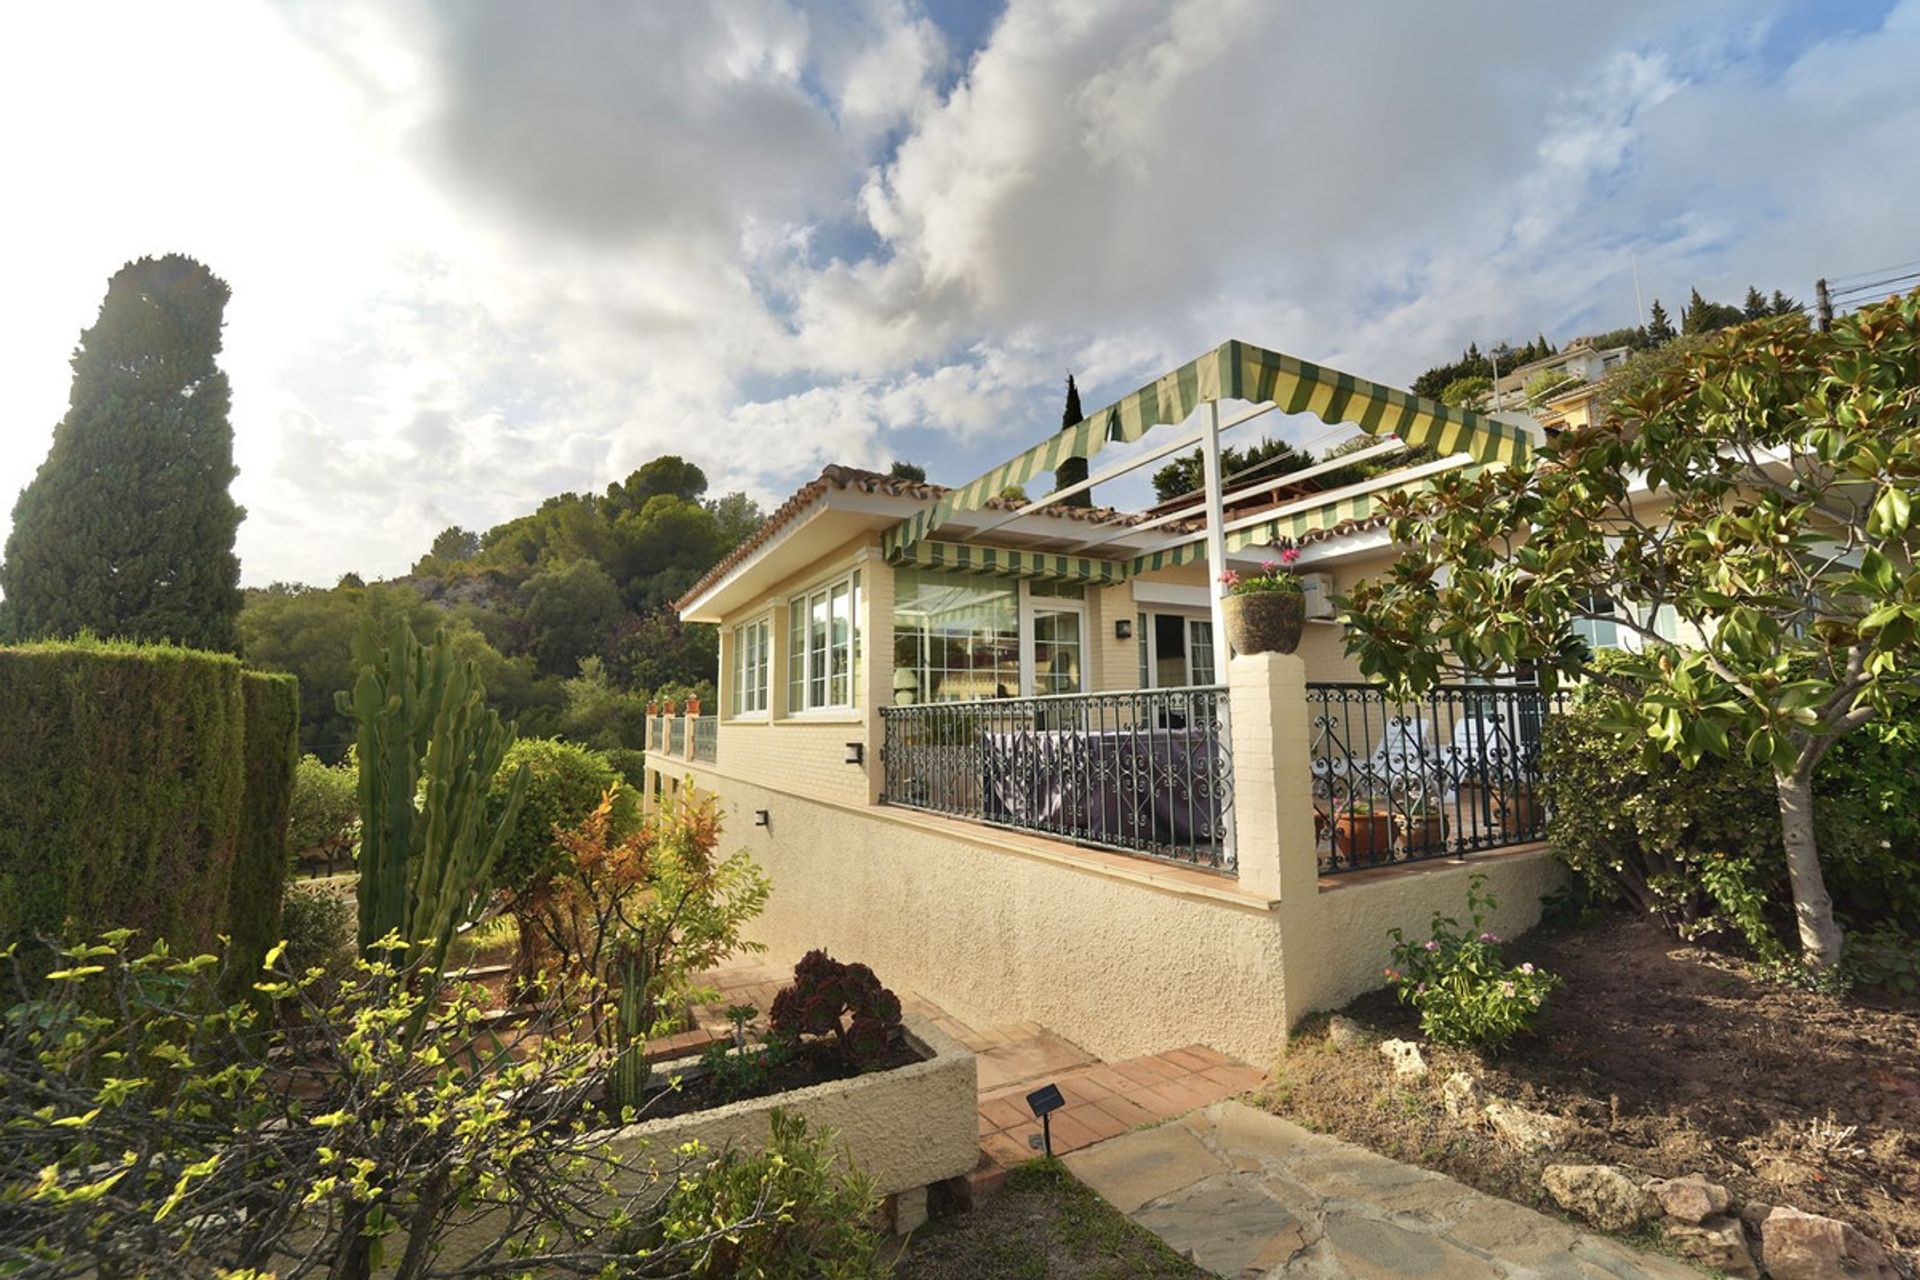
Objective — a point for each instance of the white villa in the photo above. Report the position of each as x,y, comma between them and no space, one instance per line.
995,749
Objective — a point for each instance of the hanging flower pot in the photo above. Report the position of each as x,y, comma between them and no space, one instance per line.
1265,621
1264,612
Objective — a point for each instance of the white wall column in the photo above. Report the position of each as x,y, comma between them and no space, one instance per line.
1216,529
1272,776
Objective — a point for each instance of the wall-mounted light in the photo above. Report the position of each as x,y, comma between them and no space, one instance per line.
1123,628
762,818
856,753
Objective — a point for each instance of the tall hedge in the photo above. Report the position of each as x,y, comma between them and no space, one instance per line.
139,786
259,879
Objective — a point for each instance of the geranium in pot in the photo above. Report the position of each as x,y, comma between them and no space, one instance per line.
1265,611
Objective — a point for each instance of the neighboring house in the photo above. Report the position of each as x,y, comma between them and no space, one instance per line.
1581,365
996,750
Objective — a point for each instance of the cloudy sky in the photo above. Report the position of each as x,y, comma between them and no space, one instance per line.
485,252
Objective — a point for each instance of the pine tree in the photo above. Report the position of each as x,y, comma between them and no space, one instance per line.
1782,305
127,529
1659,328
1072,470
1756,305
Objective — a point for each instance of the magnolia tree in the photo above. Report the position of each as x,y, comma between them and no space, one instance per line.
1761,490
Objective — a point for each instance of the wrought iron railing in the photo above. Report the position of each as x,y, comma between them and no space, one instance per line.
1397,780
706,738
677,736
1148,771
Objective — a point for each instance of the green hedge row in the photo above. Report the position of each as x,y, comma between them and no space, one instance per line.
143,786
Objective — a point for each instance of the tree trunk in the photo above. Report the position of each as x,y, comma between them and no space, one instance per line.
1820,939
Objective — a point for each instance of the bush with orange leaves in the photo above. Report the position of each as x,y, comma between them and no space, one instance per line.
633,919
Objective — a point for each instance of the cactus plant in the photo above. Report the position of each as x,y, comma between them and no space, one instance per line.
428,746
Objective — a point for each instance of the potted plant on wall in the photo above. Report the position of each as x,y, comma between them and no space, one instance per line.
1423,827
1362,834
1264,612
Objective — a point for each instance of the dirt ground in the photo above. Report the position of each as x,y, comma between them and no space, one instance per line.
1043,1225
1666,1059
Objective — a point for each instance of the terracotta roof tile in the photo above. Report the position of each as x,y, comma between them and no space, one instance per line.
856,480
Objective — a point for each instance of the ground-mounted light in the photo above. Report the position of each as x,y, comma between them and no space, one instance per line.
1043,1102
856,753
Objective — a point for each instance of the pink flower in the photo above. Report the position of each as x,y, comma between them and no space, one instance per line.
1527,967
1488,937
1269,567
1289,554
1432,945
1506,988
1230,578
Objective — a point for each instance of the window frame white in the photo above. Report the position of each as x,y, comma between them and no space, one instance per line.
1030,607
739,703
799,625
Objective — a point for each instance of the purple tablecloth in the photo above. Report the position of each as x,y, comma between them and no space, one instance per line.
1151,788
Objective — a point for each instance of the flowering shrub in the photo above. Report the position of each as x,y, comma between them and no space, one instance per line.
1274,575
844,1001
1466,993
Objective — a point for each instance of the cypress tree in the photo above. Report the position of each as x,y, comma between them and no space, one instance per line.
1659,328
1072,470
127,529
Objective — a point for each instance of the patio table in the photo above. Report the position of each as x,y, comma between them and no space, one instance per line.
1143,788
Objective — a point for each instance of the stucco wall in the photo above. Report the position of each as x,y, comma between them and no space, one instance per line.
995,937
976,921
1353,918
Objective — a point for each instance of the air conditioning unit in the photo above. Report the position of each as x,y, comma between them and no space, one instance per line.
1318,590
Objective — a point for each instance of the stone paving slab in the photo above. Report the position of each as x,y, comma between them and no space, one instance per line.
1248,1195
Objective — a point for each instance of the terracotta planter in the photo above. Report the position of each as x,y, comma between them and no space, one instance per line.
693,706
1422,834
1362,838
1265,621
1495,808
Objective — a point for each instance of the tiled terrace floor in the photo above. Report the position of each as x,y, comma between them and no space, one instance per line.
1103,1099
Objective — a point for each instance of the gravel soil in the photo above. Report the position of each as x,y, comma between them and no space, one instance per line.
1664,1058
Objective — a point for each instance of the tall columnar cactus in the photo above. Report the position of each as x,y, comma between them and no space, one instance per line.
428,746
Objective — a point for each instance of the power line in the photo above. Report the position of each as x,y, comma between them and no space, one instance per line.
1870,285
1898,266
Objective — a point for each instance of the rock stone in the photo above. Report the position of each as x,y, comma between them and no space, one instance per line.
1718,1242
1344,1033
1528,1132
1606,1196
1806,1246
1460,1093
1691,1198
1408,1062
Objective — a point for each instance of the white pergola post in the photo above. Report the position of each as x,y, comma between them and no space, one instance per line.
1216,534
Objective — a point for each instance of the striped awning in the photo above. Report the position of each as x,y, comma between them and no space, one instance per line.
960,557
1236,371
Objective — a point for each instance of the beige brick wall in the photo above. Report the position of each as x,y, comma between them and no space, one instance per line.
1111,663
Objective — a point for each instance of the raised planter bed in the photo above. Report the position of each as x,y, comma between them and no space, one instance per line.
906,1128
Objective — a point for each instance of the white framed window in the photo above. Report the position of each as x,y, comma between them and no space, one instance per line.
1176,649
1601,632
752,651
823,647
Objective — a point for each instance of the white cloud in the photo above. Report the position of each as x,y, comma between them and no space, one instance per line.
481,253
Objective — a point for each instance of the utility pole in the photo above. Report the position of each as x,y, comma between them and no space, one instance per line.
1822,304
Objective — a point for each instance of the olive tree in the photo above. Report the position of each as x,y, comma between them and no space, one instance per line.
1761,491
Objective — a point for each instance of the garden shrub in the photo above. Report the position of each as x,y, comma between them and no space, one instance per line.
318,926
826,1227
1465,991
325,808
129,796
1701,847
565,782
843,1002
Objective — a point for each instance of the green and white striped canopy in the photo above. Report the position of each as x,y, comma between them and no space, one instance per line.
1235,371
961,557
